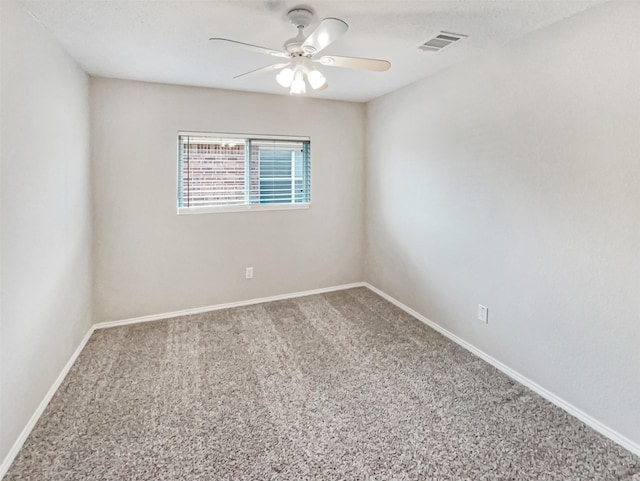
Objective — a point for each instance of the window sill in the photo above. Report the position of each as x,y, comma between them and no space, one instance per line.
239,208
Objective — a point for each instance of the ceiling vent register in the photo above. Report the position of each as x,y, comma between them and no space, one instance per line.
440,41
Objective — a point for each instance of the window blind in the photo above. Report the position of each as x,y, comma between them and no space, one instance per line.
217,171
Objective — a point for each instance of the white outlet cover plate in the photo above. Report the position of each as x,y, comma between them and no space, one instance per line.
483,313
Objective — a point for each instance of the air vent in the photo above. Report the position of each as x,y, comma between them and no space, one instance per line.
440,41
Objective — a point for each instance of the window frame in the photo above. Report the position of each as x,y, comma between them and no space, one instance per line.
238,207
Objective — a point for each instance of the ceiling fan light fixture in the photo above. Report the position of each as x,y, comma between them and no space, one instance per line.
316,79
300,50
298,85
285,77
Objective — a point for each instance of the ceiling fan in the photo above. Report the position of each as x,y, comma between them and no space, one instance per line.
299,69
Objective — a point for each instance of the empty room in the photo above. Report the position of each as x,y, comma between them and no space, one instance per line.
338,240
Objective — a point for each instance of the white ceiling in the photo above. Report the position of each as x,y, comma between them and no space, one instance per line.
167,41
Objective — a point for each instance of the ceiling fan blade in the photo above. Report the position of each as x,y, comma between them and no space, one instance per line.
255,48
325,34
268,68
355,62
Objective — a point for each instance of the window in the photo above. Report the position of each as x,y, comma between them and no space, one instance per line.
225,172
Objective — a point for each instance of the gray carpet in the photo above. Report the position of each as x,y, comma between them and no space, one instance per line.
339,386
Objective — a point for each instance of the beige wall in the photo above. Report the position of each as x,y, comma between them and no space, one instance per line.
148,260
45,226
514,181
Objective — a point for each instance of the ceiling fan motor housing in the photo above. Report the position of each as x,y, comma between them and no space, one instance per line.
293,46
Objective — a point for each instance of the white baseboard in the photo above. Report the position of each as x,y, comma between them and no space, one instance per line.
548,395
216,307
588,420
13,452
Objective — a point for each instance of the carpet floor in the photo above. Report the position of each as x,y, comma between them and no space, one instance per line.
337,386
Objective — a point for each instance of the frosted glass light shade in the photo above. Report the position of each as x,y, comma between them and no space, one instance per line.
285,77
298,86
316,79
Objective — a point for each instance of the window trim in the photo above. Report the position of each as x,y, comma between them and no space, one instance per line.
213,209
237,207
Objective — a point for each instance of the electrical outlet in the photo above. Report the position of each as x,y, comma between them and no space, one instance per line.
248,273
483,313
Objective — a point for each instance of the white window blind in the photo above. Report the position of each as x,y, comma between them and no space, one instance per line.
223,172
